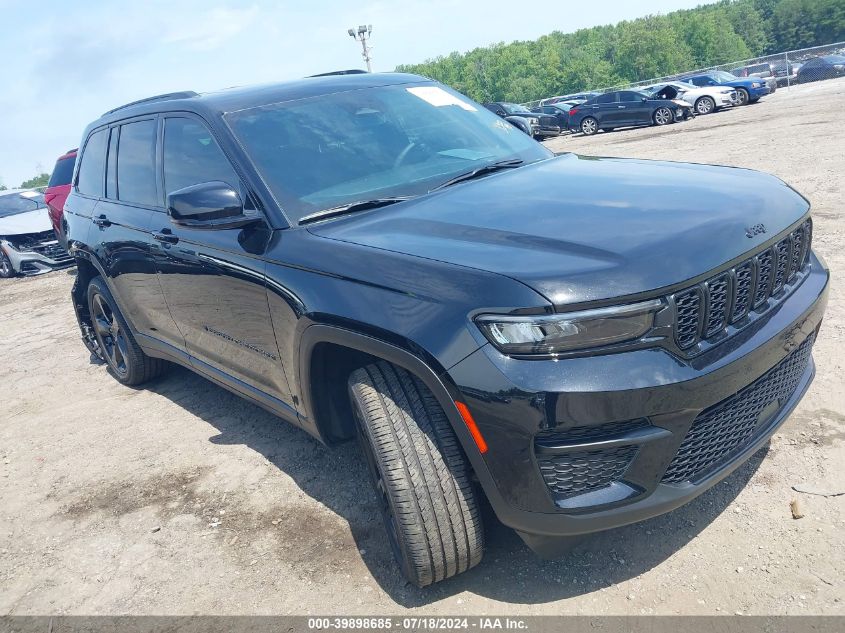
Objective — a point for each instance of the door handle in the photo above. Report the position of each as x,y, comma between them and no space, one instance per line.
165,236
622,107
102,221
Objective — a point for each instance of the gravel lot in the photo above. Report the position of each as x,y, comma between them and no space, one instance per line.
182,498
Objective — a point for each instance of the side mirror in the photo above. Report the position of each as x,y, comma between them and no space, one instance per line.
645,99
208,205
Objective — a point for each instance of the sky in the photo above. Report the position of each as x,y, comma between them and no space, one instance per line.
65,63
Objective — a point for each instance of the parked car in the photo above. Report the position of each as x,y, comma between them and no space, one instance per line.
559,110
703,100
578,96
530,126
57,191
748,90
624,108
548,125
28,245
786,72
824,67
557,334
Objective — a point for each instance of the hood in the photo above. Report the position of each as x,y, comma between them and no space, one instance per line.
35,221
577,228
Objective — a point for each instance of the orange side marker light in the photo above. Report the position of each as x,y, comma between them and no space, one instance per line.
472,426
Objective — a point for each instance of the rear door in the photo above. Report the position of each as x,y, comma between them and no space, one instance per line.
604,109
214,279
121,231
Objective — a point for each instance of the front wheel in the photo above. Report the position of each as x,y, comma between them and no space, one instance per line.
419,472
6,270
743,96
705,105
589,126
663,116
126,361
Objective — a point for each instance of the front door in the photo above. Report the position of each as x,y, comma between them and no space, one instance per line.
213,279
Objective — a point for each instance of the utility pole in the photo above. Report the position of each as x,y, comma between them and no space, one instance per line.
363,34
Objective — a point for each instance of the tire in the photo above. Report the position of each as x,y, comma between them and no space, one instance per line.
663,116
126,361
705,105
6,269
743,95
589,126
419,472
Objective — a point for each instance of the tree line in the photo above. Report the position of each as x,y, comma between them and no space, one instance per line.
635,50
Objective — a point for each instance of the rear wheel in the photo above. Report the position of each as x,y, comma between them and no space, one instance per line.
663,116
126,361
705,105
419,473
6,270
589,126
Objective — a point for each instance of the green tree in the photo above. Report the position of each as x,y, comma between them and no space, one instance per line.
40,180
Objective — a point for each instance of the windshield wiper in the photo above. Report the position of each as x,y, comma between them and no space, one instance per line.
480,171
352,207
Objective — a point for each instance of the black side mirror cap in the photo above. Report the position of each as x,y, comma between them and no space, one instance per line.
208,205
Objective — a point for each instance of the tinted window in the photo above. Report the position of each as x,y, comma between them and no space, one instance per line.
90,179
136,163
630,96
608,98
62,172
192,156
111,166
699,81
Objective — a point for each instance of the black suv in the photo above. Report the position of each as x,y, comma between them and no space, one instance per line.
378,256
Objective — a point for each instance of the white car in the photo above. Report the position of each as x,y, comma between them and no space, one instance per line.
704,100
28,245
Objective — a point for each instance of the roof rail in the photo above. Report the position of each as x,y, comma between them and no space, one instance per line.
353,71
185,94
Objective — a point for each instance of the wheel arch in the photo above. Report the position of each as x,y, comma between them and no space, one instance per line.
326,352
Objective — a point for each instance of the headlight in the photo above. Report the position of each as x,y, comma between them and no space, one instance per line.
555,333
756,84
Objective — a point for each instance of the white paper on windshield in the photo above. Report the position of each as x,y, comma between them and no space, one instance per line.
438,97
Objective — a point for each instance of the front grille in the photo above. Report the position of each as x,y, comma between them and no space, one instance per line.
578,434
53,251
704,311
719,433
575,473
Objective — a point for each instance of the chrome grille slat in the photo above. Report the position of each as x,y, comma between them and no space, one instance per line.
704,311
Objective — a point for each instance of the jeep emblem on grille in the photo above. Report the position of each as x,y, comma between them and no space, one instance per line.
757,229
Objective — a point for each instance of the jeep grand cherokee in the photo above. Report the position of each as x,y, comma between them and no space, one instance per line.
376,256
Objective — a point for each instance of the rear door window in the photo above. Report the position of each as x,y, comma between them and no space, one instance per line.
90,179
136,180
608,98
62,172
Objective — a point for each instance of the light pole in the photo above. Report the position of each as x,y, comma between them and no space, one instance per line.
362,34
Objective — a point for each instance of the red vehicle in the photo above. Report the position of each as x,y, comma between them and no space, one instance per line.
58,189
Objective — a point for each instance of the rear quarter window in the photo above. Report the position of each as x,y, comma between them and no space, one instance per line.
92,165
62,172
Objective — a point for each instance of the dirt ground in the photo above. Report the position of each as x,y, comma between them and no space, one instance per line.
181,498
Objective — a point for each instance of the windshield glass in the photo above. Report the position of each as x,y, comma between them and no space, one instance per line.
512,108
15,203
721,75
834,59
338,149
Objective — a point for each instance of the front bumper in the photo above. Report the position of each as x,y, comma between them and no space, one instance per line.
648,399
756,93
50,256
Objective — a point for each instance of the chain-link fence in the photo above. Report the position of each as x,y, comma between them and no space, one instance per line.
781,70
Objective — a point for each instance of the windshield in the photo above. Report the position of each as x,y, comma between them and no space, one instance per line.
15,203
721,75
338,149
834,59
513,108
